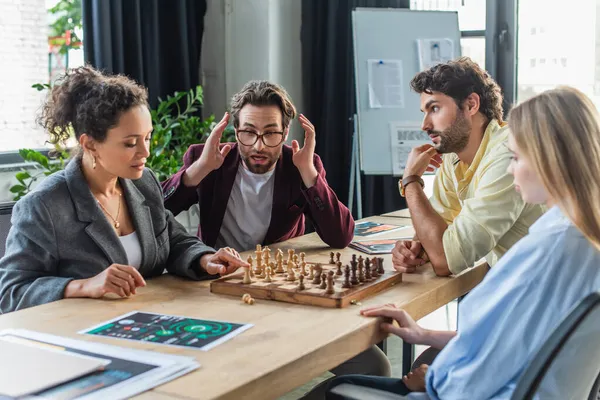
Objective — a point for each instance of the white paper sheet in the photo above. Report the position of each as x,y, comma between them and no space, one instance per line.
434,51
385,84
160,368
404,136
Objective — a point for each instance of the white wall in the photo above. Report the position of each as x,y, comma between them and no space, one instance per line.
23,62
251,39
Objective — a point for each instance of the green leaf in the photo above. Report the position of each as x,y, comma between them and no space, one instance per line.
17,188
21,176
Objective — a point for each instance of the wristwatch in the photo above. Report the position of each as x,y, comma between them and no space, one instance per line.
407,180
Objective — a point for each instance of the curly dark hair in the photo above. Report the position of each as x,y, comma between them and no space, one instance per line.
458,79
88,101
263,93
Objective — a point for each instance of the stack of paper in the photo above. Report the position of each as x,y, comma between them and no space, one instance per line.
26,368
68,369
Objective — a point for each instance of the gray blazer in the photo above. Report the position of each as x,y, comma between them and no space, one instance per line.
59,233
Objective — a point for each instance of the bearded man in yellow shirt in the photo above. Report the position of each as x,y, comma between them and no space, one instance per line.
475,211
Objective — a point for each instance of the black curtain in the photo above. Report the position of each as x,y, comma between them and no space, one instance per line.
155,42
329,97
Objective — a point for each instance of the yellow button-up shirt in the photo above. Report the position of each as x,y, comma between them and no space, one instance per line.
484,213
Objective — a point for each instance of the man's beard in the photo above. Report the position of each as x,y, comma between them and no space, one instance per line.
259,168
455,138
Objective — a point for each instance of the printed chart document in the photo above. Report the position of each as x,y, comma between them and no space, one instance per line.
370,228
172,330
385,84
405,136
383,246
128,372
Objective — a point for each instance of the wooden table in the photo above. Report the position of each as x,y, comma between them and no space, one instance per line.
288,345
404,213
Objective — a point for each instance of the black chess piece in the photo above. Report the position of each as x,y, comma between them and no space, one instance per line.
368,276
375,268
380,270
354,278
347,283
323,281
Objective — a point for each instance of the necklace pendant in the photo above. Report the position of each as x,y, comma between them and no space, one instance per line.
117,225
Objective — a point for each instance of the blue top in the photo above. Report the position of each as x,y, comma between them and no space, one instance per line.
507,317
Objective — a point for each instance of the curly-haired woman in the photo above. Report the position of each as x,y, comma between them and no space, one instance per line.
100,225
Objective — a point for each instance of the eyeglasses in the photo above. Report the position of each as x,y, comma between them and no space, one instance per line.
269,139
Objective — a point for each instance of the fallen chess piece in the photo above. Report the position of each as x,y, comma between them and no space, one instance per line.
246,298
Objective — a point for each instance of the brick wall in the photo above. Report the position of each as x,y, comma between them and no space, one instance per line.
23,62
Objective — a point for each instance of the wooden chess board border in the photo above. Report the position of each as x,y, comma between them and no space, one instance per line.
336,300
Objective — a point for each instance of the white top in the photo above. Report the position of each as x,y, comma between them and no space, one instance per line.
132,247
248,213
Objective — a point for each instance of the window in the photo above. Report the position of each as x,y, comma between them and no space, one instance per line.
568,52
33,52
471,22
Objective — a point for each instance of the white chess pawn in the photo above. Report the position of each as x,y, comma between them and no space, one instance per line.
247,279
268,276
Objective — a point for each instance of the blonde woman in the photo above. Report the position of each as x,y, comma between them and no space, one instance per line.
555,141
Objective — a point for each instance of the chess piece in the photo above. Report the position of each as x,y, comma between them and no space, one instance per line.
331,261
380,270
339,268
302,268
279,269
354,278
375,268
268,273
251,261
323,281
296,259
354,262
361,272
368,276
301,284
312,272
302,255
330,283
266,255
258,258
338,255
367,263
291,275
317,278
290,255
347,283
246,298
246,280
361,260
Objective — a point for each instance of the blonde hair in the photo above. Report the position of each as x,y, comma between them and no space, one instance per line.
559,132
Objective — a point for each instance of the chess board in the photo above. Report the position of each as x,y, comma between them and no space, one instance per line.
280,289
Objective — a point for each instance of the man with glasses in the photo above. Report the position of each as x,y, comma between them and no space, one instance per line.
258,190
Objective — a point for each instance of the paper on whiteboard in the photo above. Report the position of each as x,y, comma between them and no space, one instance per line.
404,137
434,51
385,84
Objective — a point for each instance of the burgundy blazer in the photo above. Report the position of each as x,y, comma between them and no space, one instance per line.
291,200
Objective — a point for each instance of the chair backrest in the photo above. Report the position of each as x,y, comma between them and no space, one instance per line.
5,214
568,364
